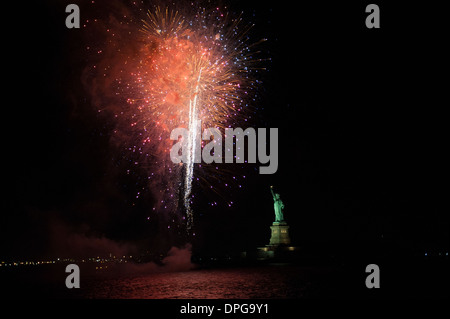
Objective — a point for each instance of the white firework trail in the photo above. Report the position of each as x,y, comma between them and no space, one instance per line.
191,147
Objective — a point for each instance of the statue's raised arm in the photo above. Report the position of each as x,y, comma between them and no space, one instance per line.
271,190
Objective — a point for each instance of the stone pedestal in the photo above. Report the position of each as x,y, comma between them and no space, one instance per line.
280,234
279,248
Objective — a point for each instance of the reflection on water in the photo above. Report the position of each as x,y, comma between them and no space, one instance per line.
278,281
260,282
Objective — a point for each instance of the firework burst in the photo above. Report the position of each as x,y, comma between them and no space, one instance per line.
182,70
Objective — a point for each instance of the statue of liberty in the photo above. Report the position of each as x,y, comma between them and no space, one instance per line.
278,206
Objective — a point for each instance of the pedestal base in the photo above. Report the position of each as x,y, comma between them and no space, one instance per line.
280,234
279,248
279,253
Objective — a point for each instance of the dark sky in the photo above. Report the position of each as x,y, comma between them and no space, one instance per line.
360,118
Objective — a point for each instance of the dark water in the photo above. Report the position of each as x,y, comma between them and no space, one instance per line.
273,281
237,283
268,281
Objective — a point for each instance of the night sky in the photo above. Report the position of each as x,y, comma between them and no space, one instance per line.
361,143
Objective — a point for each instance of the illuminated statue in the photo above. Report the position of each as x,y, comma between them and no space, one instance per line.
278,206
